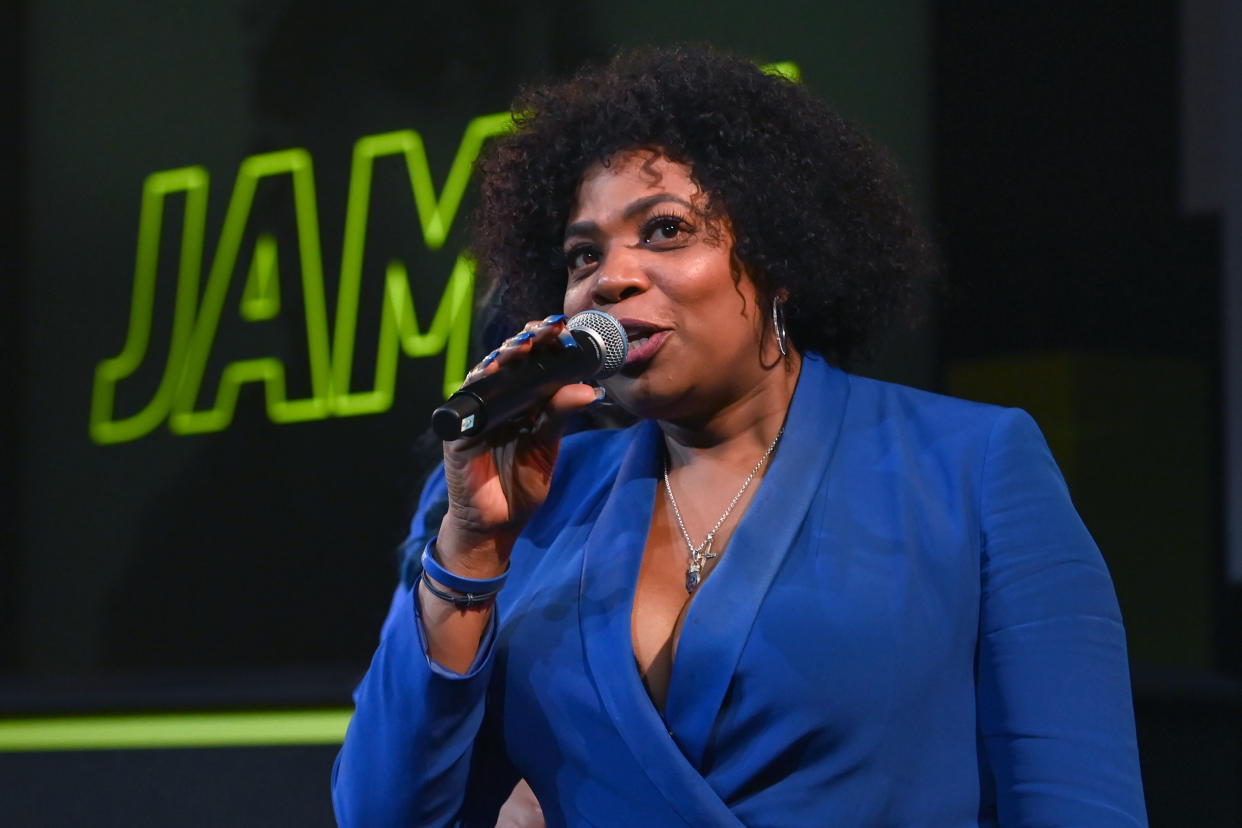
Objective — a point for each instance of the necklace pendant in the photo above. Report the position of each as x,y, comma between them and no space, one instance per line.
706,551
692,579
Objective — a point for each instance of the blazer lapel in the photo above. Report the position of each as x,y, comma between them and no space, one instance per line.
722,612
611,561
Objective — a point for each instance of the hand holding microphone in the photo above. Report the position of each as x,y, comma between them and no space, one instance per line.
497,479
496,484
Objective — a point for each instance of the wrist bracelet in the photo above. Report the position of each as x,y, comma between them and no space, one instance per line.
468,600
466,586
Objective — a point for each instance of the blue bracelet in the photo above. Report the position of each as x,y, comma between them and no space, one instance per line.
466,586
467,601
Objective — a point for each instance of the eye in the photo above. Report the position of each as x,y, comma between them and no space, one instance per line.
661,230
580,259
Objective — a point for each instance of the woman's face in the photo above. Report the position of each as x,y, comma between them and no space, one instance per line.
639,246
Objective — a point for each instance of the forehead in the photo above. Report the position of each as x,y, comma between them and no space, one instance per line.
630,175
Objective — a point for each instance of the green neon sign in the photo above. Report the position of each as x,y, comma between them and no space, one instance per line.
195,323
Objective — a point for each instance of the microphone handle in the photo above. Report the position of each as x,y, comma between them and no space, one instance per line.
501,396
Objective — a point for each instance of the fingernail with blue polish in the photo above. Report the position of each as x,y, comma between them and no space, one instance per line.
489,359
554,319
567,340
600,393
524,336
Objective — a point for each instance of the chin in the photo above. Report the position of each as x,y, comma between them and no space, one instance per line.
647,397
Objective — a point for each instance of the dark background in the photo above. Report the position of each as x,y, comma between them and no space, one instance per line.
1070,157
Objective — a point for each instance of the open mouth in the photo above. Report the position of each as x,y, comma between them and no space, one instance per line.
644,339
638,333
638,340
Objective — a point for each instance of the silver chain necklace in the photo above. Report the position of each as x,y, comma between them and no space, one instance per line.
699,554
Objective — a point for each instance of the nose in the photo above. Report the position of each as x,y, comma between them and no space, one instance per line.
618,278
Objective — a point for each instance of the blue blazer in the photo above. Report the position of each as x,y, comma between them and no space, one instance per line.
910,626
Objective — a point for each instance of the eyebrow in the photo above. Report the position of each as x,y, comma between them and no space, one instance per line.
634,208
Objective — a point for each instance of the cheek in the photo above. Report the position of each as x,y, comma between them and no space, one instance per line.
574,300
724,315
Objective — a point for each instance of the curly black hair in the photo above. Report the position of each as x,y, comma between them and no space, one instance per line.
815,208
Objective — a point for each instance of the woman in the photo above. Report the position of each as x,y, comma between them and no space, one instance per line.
788,595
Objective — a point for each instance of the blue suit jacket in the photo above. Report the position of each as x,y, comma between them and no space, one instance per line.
910,626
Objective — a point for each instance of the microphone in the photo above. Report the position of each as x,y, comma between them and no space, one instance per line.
499,397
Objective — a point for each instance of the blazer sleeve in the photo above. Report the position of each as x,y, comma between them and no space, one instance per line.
419,749
1055,713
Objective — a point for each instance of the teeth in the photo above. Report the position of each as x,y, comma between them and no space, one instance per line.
635,343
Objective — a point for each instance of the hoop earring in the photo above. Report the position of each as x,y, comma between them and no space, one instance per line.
778,324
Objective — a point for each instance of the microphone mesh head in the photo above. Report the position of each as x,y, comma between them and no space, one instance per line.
608,333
